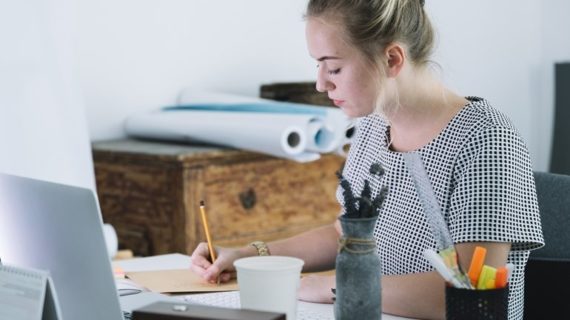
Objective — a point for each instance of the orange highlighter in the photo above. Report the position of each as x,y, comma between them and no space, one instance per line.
476,266
501,277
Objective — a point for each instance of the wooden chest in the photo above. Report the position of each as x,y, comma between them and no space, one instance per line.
150,192
300,92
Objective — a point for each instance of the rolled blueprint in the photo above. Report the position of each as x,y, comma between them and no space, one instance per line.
349,131
290,130
323,136
281,135
200,96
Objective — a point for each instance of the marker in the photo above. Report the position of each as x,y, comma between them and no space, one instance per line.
510,268
487,273
476,266
449,256
501,277
437,262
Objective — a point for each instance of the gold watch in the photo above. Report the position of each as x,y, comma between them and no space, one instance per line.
261,247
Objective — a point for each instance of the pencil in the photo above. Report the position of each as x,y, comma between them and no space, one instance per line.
207,231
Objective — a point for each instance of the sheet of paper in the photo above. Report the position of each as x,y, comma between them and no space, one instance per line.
160,262
176,281
305,310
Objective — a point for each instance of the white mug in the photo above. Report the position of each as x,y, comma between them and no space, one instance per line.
269,283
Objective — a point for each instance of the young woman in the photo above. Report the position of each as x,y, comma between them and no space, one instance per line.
373,62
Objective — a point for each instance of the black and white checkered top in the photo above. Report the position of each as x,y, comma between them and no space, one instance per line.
482,177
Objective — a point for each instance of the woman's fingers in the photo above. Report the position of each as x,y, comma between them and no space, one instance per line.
317,289
200,259
209,271
227,276
222,270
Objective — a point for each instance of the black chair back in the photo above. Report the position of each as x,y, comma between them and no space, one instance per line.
547,275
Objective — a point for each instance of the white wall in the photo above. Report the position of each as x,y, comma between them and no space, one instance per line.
490,49
43,130
555,46
138,54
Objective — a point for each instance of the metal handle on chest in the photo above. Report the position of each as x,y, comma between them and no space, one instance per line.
248,198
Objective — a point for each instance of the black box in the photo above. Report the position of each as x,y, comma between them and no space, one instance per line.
469,304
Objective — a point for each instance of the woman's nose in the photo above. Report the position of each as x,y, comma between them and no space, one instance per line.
323,84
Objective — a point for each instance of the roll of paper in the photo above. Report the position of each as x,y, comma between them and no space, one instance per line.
333,133
291,130
280,135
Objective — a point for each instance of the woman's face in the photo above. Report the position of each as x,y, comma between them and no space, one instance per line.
342,72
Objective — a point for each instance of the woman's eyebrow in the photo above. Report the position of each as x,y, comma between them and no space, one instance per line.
328,58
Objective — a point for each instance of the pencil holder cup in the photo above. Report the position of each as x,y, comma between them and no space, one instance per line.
467,304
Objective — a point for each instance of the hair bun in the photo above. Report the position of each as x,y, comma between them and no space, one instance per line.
422,2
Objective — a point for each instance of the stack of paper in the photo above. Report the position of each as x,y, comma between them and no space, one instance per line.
290,130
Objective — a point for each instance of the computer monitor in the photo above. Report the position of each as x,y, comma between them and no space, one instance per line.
58,228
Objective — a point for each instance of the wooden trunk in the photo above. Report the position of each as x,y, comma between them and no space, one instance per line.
299,92
150,192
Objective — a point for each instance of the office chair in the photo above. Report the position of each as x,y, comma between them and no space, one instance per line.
547,276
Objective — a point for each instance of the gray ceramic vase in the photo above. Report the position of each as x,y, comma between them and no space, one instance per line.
358,271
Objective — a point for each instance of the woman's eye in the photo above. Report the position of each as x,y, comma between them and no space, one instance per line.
335,71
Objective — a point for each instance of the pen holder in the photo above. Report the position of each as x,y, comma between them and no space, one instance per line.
466,304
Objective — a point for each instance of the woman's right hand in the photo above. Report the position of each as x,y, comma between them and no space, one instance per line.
223,267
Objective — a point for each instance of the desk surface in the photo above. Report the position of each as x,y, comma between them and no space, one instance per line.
226,299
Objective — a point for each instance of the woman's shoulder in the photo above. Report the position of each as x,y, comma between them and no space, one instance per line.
371,130
479,114
373,121
486,128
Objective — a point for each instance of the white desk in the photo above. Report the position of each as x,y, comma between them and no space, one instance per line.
228,299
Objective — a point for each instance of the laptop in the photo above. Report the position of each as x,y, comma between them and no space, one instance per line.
58,228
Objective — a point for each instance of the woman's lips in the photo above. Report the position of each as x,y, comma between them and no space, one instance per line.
338,103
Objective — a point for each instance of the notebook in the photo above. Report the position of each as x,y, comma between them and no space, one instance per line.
27,294
58,229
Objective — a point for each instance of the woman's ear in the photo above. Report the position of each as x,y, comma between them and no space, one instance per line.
396,57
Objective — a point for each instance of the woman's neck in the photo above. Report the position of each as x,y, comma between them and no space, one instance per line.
425,108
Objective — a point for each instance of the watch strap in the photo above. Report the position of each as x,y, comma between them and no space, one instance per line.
261,247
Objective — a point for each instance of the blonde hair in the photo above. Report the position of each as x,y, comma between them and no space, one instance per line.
371,25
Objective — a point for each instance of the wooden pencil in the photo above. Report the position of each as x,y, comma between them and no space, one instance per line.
207,231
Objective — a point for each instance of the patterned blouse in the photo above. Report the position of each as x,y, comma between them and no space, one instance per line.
482,177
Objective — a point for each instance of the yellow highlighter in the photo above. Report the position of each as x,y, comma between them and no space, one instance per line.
486,278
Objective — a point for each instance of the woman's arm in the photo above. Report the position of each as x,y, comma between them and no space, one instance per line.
416,295
421,295
317,247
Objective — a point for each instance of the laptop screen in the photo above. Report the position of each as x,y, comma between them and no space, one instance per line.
58,228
